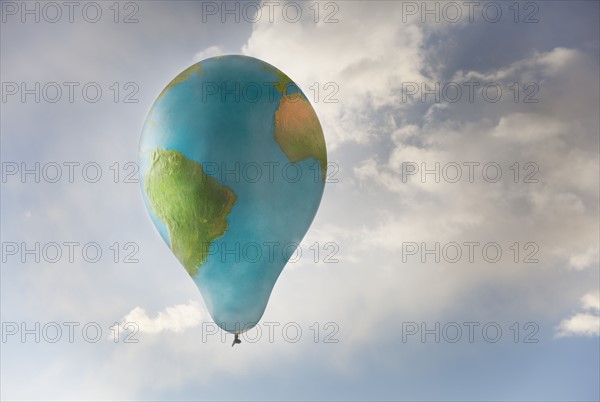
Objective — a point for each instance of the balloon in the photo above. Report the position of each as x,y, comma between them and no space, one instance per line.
232,167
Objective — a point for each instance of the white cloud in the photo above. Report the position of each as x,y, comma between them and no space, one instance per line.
583,260
580,324
539,63
584,323
591,301
175,318
210,51
564,196
528,133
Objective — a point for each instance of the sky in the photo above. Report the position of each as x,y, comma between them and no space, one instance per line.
457,237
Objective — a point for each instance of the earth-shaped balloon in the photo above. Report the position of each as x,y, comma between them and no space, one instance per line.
232,167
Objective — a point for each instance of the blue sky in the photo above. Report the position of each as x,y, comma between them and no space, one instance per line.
375,213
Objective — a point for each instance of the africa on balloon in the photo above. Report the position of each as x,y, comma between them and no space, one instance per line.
232,167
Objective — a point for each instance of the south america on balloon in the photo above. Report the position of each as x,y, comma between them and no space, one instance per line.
232,168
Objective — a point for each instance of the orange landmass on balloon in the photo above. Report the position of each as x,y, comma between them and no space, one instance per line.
298,131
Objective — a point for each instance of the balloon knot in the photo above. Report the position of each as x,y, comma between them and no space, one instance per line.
236,340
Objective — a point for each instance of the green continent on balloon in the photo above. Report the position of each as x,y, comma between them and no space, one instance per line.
298,131
193,205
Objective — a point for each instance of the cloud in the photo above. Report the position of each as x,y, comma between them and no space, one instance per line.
540,137
588,258
585,323
591,301
360,64
175,318
210,51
